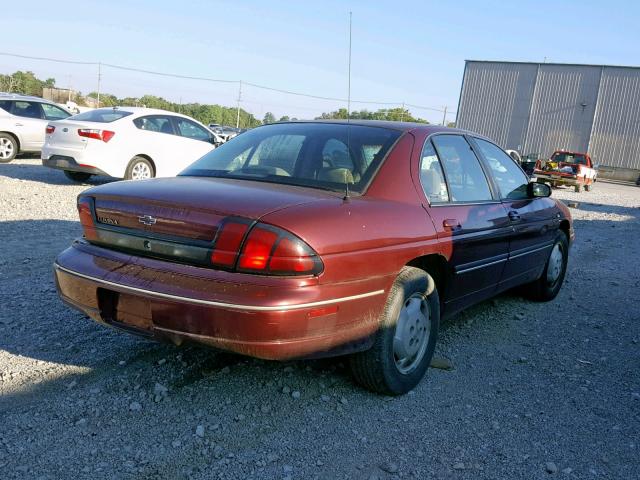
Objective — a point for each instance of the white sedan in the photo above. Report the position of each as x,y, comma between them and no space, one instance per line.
125,142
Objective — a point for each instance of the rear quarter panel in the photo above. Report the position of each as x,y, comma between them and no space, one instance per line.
369,236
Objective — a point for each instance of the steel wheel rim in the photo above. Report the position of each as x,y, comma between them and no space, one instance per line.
412,333
556,260
6,148
140,171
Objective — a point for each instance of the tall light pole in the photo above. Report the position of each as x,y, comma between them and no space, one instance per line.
99,79
349,80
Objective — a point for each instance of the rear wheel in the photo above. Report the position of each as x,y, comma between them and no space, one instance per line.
588,188
405,343
548,285
77,176
8,148
139,168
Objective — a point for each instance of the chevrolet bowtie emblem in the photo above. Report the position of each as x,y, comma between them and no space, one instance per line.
147,220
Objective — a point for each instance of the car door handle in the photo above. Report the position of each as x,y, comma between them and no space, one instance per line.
451,224
19,125
514,216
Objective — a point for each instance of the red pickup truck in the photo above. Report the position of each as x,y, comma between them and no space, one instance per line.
567,168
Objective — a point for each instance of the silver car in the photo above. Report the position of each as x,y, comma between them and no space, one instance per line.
23,121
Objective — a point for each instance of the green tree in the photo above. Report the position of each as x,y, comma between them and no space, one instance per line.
269,118
391,114
284,118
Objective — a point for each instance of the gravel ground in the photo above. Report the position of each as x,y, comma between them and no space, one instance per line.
537,390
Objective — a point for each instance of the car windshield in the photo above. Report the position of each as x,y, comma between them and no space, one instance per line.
102,115
320,155
564,157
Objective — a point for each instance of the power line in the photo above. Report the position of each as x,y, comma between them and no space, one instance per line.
218,80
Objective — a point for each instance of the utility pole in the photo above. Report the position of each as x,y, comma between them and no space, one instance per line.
349,81
99,79
69,87
239,98
444,117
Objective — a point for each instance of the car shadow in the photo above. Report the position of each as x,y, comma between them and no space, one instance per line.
31,171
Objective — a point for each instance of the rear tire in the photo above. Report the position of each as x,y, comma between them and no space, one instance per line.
8,147
77,176
406,340
139,168
588,188
546,287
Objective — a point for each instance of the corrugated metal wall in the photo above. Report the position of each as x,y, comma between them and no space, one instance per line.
562,110
495,100
544,107
615,137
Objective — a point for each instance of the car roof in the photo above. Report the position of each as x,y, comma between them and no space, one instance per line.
19,96
401,126
144,111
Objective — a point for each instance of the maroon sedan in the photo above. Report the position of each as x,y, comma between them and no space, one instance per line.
311,239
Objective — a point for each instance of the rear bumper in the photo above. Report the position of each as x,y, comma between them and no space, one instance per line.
63,162
271,318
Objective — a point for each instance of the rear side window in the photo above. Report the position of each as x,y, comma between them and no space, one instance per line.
51,112
432,176
155,123
5,105
101,115
27,109
466,179
511,181
192,130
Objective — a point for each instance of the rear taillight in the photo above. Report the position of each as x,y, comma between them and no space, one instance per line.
228,241
50,129
85,211
265,249
104,135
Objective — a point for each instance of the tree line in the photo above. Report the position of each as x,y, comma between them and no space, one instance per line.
28,84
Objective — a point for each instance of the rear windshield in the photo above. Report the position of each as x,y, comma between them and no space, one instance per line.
102,115
309,154
565,157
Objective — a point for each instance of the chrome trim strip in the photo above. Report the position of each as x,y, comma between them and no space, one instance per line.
482,266
530,251
231,306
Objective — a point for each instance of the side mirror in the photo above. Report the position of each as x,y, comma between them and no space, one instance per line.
535,190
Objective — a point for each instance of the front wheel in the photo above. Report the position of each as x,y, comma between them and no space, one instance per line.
139,168
546,288
8,148
406,340
77,176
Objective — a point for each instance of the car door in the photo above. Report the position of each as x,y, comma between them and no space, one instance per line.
156,137
193,142
535,221
472,225
30,124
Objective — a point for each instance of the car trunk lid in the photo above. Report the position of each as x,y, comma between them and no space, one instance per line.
190,208
66,135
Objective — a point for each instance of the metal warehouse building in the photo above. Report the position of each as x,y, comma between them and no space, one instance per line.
543,107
